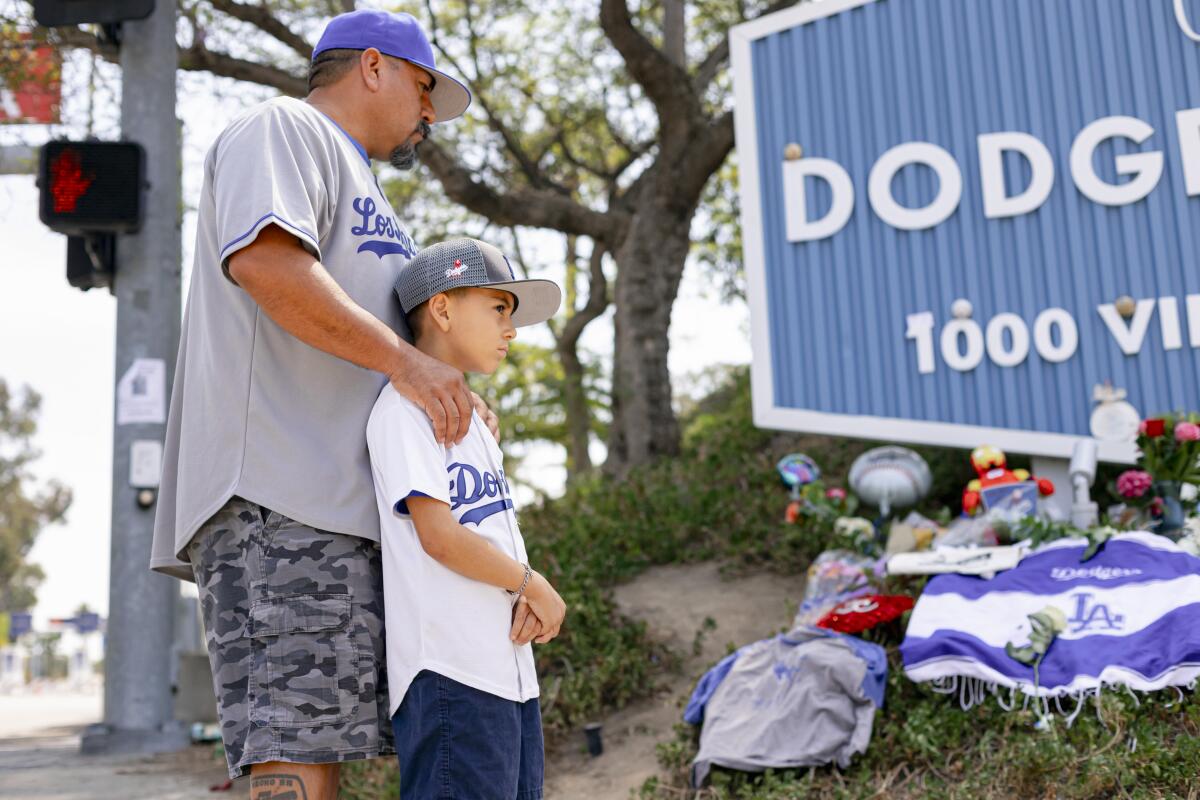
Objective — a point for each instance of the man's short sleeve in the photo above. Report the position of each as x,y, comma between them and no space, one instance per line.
270,168
407,459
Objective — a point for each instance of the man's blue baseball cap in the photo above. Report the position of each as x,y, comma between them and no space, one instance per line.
400,36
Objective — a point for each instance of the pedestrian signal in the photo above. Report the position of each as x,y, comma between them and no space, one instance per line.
91,187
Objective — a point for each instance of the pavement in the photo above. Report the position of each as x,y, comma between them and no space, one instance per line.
40,757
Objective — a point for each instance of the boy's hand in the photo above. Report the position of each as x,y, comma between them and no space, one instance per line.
525,625
546,605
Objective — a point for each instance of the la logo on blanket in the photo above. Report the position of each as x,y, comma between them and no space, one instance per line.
1093,616
469,486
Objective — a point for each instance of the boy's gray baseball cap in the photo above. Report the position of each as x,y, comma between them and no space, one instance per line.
470,262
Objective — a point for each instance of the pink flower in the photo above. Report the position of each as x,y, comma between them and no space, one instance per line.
840,494
1133,483
1187,432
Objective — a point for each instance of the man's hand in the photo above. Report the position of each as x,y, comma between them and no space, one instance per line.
440,390
487,415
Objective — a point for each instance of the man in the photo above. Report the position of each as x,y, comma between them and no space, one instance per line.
289,334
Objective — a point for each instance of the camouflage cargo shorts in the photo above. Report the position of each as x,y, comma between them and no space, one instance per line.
293,619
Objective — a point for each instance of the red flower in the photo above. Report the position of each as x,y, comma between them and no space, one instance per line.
1153,428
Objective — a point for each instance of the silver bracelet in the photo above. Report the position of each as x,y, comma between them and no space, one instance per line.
524,583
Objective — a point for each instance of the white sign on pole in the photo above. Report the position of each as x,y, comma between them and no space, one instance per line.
141,393
145,463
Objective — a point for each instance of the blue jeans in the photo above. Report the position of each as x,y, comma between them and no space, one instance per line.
454,741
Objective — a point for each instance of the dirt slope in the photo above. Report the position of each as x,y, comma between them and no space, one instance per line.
674,602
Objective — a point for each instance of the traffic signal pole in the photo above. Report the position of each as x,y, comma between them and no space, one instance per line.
138,666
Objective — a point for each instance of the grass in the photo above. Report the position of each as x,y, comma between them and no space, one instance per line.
925,746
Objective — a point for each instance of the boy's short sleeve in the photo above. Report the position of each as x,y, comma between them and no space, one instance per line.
407,459
270,169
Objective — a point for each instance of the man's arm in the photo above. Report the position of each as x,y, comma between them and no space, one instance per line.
455,547
300,296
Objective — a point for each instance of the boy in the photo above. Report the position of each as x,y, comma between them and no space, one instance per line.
463,689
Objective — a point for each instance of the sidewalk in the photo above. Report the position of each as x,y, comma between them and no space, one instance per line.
40,758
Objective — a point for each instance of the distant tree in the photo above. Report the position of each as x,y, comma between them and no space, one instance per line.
25,508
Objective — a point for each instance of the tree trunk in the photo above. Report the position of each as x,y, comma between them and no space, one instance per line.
578,415
650,265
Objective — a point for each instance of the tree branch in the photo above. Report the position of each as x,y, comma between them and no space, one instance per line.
535,208
709,152
597,301
716,58
666,84
261,17
201,59
533,173
78,37
197,58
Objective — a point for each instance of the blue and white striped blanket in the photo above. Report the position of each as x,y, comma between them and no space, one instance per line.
1133,619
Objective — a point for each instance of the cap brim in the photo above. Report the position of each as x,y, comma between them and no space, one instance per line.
449,97
537,300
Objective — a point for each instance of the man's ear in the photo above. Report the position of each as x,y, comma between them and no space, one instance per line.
439,310
370,67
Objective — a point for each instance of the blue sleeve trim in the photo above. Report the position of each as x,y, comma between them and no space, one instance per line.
874,682
401,506
694,713
281,221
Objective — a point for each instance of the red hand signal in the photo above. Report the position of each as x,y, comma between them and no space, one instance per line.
67,181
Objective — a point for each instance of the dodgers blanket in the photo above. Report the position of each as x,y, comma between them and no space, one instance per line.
1131,612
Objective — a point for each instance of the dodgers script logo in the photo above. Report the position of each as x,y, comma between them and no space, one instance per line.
395,239
458,269
468,486
1094,616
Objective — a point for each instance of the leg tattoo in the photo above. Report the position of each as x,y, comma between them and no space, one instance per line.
277,787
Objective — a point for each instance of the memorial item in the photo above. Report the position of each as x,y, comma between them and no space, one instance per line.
863,613
890,478
1130,621
985,491
983,561
804,698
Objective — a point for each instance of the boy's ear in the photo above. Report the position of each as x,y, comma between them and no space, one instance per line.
439,310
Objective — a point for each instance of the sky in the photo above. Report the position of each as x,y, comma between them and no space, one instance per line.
60,341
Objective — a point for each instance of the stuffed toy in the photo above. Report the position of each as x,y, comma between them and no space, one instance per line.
992,466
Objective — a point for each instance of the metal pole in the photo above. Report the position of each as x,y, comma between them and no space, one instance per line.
142,605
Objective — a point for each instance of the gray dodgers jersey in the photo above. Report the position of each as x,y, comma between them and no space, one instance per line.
255,412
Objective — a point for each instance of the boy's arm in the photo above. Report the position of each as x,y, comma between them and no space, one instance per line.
455,547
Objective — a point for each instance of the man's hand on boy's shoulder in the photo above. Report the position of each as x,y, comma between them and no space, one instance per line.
439,390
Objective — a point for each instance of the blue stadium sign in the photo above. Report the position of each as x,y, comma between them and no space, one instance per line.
961,217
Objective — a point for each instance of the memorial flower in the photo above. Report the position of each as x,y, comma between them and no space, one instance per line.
1170,451
1153,428
1133,483
1187,432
